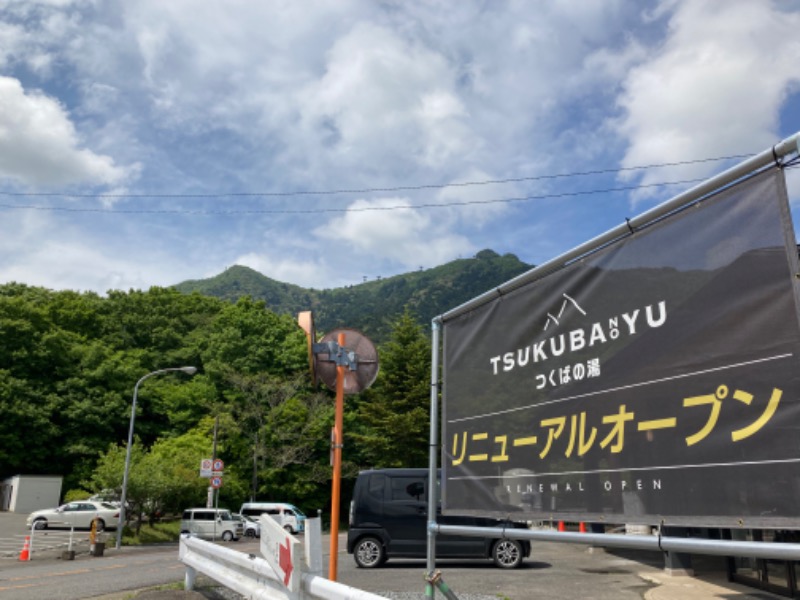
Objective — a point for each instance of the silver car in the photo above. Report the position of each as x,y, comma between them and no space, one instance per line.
78,514
252,528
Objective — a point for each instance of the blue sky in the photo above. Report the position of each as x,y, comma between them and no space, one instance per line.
149,142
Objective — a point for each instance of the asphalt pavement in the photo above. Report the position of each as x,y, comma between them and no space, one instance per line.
554,571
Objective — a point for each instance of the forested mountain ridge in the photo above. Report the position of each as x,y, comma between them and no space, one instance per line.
369,306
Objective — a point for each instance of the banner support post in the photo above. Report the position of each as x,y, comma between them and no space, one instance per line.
432,456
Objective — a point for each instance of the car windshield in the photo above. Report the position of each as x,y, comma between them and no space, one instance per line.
226,516
108,506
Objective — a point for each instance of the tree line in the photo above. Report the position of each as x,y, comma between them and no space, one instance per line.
69,362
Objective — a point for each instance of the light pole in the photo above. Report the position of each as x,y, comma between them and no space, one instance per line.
124,497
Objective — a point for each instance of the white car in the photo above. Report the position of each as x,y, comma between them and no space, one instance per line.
211,524
252,528
76,514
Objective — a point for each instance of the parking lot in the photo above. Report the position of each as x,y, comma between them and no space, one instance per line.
554,571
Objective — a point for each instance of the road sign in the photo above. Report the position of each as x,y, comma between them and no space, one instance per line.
282,552
216,482
218,465
205,467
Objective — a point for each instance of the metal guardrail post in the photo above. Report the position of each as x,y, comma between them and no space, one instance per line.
313,546
189,578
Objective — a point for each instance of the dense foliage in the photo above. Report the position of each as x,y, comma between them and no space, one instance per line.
69,363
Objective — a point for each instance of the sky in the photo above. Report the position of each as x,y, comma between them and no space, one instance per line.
324,143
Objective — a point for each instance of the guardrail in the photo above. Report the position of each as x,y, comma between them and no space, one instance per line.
254,578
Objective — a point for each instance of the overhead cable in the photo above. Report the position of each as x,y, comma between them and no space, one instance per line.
137,211
375,189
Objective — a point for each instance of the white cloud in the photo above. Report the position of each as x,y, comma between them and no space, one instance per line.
305,273
385,98
239,62
714,88
406,237
39,248
475,204
39,144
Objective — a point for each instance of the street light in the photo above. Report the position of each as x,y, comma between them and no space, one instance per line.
123,499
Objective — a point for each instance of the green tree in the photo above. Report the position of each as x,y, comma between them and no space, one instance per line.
281,439
172,465
248,338
163,479
391,422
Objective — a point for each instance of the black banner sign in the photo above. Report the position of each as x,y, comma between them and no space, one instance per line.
655,380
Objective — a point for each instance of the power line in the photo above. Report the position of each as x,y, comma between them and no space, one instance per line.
377,189
347,209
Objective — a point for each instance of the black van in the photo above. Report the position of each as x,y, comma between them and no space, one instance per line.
389,517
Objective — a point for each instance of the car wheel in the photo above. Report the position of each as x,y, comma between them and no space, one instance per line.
101,525
227,536
507,554
249,533
369,553
40,524
289,529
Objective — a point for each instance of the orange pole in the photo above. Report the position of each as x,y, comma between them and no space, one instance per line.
337,466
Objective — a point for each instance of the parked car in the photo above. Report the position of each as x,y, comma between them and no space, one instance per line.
107,496
388,518
252,528
211,524
76,514
287,515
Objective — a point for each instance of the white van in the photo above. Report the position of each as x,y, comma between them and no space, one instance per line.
211,524
287,515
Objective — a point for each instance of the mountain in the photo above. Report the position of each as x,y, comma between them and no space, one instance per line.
369,306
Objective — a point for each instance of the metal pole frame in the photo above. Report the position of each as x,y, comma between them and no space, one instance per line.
124,495
767,550
433,450
782,551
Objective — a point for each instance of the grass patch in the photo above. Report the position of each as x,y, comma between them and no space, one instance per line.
178,585
159,533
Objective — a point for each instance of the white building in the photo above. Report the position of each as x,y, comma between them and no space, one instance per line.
27,493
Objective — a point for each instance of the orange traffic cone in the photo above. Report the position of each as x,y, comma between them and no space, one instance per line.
561,526
25,554
582,527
